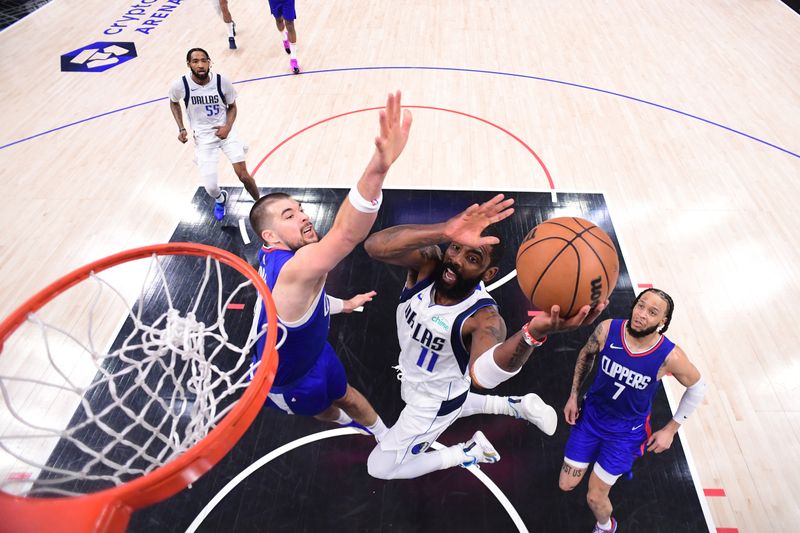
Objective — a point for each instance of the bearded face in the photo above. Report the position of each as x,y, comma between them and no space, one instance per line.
452,284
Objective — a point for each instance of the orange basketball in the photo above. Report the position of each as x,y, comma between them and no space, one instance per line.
567,261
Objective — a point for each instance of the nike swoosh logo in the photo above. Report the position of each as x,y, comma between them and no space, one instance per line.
194,89
637,427
615,347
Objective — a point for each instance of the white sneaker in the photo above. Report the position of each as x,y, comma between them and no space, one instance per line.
480,450
533,409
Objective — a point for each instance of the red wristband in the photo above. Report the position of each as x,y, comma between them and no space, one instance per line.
528,338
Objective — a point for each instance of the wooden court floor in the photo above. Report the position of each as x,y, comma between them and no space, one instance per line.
684,115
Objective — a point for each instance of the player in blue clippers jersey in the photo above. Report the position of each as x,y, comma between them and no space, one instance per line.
613,427
310,378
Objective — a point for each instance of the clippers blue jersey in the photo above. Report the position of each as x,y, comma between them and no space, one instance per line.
305,342
626,382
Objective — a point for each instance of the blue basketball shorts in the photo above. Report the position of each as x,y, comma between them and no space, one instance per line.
323,384
614,444
282,8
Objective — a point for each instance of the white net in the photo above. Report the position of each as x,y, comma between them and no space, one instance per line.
89,404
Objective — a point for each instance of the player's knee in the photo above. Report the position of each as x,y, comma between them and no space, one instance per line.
595,498
348,400
379,465
566,484
290,25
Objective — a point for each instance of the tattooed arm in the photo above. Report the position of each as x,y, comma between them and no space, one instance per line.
486,329
583,366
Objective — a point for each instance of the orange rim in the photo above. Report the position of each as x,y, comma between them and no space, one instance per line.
110,509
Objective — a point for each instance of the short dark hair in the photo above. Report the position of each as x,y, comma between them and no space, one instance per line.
496,251
190,52
259,213
664,296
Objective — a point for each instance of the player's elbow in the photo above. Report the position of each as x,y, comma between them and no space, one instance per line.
372,247
347,237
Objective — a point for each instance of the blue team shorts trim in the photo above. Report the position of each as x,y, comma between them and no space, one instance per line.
592,441
282,8
323,384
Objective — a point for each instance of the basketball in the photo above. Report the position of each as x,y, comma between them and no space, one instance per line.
569,262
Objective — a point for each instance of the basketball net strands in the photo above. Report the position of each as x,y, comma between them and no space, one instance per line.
89,432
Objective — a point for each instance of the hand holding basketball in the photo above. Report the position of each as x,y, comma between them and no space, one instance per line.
547,323
466,227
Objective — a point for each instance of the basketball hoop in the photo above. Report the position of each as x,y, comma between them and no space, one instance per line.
182,386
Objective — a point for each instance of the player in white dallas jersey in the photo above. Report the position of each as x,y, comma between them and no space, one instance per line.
451,335
210,102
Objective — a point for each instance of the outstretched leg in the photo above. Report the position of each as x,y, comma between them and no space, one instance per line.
529,407
391,464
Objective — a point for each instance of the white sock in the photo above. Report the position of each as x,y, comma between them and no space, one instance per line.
499,405
484,404
293,50
285,35
475,404
378,429
453,456
230,28
343,419
607,525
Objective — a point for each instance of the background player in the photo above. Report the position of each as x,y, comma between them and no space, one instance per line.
211,108
295,263
614,424
222,8
449,329
285,15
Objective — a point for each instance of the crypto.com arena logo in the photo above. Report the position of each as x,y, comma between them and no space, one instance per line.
97,57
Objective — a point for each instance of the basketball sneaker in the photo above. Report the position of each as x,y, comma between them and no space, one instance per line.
533,409
480,450
612,529
295,66
286,46
219,207
231,43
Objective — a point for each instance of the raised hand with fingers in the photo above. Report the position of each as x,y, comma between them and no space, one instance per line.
394,132
466,227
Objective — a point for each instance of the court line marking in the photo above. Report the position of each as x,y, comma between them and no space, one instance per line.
308,439
243,232
502,281
445,69
432,108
